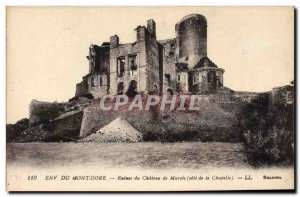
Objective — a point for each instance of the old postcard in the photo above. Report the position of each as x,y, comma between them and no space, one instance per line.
150,98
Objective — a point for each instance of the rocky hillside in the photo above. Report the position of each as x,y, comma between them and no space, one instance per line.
218,119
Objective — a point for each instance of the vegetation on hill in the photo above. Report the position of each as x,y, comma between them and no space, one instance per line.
267,132
14,130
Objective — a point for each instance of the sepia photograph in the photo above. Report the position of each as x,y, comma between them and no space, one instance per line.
150,98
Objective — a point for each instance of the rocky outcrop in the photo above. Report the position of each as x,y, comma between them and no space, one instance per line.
14,130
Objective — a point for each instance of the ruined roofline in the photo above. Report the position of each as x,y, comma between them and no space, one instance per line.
103,45
140,26
282,87
129,43
160,41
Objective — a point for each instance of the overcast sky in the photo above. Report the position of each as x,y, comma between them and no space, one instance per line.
47,46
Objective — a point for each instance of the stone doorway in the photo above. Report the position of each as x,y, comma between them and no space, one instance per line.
120,89
132,89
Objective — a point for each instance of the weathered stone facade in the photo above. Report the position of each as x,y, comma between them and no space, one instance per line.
283,96
150,66
168,72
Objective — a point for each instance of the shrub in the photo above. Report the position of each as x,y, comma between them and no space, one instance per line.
267,133
274,148
14,130
152,137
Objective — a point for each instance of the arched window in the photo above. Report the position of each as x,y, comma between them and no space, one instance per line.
170,92
132,89
120,66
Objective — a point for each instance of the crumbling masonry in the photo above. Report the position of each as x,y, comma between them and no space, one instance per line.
150,66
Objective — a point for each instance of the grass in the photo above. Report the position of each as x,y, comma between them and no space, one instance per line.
145,155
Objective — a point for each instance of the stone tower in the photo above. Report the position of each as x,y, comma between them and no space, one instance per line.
191,36
196,73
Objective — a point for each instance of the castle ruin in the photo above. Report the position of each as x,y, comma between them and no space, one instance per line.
149,66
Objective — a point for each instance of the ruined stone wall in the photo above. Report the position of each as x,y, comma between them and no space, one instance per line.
281,96
206,86
95,118
82,88
152,69
182,82
206,80
104,57
54,121
98,84
214,121
195,78
125,50
169,60
99,58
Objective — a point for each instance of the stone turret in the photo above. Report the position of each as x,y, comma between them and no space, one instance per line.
191,33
